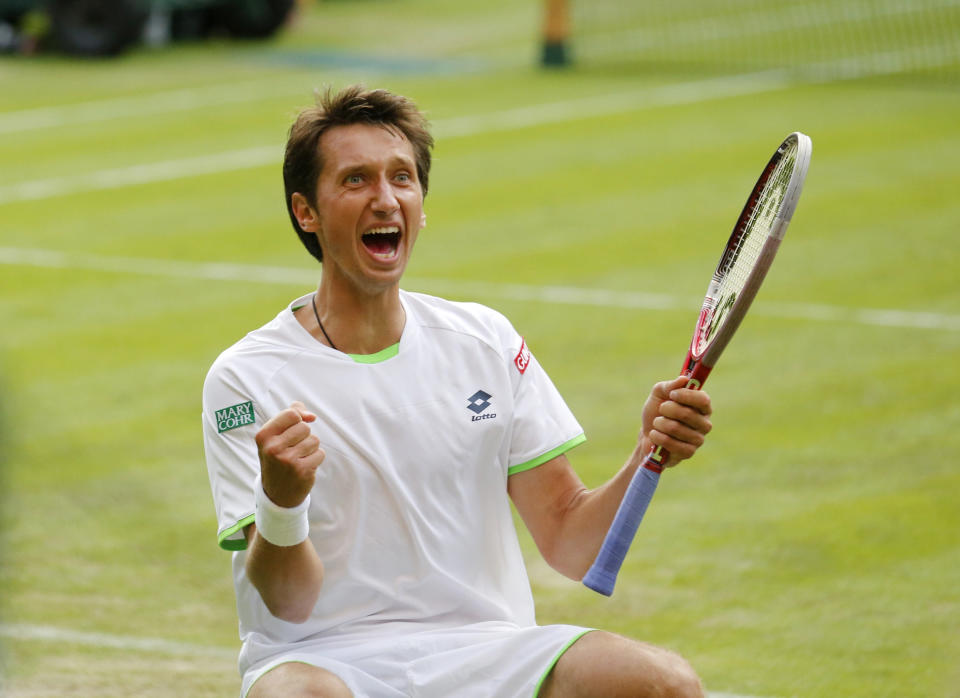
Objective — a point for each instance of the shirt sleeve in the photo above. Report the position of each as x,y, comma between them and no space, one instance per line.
544,427
230,422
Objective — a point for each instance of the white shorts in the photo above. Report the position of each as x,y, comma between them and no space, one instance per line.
474,661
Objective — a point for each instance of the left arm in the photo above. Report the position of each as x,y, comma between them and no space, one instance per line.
567,521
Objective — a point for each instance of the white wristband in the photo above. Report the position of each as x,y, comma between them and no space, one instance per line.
283,526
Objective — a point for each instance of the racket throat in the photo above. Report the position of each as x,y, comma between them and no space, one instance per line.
655,459
695,371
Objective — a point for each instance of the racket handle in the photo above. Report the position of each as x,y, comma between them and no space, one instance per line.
602,575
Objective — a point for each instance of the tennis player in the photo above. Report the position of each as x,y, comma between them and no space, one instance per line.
364,446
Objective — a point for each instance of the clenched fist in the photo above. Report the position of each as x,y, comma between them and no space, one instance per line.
289,455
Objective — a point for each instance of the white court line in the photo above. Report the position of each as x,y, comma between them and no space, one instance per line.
151,645
509,119
615,103
556,295
164,102
174,100
48,633
164,171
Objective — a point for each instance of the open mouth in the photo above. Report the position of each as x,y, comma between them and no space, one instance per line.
382,242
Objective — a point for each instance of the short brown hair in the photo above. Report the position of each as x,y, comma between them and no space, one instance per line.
302,161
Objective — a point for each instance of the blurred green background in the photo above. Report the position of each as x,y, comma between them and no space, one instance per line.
811,548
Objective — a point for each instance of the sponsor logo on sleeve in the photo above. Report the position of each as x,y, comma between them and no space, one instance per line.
234,416
522,359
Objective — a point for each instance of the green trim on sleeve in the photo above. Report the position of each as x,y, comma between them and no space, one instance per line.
553,453
228,543
381,355
553,663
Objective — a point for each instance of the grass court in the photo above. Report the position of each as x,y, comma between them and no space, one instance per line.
810,550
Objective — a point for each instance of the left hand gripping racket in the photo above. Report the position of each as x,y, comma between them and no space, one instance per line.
742,268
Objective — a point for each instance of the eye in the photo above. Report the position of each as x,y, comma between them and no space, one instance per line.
404,177
354,179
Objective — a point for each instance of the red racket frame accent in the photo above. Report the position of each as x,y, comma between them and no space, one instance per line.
698,367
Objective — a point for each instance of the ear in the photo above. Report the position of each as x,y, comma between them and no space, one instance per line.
423,220
305,214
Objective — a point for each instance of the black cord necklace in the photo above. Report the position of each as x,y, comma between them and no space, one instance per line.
313,302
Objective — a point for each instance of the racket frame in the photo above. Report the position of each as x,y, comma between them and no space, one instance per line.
602,575
698,364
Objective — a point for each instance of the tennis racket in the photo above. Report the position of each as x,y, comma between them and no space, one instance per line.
742,268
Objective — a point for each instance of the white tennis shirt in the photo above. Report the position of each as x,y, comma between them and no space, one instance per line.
409,513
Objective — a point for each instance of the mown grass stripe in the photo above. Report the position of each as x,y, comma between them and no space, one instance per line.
508,119
132,643
559,295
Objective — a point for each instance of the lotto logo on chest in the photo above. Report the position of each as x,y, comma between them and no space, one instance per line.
478,404
234,416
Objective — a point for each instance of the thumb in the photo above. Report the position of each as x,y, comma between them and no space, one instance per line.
662,389
305,414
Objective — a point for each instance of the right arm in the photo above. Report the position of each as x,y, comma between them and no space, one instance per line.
288,577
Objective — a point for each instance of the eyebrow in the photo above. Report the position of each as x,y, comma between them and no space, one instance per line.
394,161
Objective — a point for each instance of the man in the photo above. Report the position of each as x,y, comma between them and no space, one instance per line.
363,448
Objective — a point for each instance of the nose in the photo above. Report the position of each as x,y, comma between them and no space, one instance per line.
384,198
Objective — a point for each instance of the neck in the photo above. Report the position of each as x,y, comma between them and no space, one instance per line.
354,323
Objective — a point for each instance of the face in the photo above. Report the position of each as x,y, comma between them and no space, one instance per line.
369,207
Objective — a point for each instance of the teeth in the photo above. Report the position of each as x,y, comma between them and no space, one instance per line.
392,230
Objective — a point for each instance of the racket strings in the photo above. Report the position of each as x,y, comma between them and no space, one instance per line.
758,221
751,232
